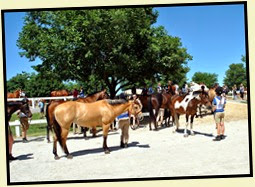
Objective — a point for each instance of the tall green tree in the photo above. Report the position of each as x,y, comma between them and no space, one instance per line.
18,82
120,47
34,85
207,78
236,74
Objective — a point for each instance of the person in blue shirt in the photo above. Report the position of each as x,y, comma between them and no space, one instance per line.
41,106
81,94
150,90
219,103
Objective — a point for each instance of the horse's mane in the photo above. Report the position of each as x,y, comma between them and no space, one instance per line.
94,93
12,103
116,101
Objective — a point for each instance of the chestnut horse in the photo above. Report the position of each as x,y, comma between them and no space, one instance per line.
15,94
167,108
100,113
88,99
58,93
187,104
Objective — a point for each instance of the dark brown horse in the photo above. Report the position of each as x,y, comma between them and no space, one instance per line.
187,104
15,94
52,105
23,106
152,102
58,93
99,113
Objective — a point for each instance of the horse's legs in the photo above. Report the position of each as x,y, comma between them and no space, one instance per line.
55,147
48,133
191,125
187,123
176,121
94,131
150,116
64,134
105,133
160,117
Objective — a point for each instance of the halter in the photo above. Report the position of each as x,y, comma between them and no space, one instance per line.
140,105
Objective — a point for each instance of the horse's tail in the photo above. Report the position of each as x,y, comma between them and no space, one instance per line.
160,100
57,130
150,108
48,127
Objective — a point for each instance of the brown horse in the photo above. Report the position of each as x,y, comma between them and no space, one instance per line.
100,113
23,106
58,93
15,94
211,94
168,108
152,102
52,105
187,104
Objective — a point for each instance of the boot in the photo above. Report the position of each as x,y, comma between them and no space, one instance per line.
217,138
11,157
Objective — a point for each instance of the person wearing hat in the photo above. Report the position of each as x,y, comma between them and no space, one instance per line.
219,103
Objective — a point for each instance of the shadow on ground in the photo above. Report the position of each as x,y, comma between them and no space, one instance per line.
112,149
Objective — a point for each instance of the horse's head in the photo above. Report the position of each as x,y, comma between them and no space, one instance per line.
136,109
25,108
204,99
105,94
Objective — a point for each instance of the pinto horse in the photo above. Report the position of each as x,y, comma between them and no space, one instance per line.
187,104
52,105
15,94
99,113
58,93
23,106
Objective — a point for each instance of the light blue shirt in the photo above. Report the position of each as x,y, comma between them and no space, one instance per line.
219,102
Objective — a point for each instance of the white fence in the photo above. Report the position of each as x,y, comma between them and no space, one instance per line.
34,99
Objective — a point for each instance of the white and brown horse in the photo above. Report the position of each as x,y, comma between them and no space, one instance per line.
100,113
188,104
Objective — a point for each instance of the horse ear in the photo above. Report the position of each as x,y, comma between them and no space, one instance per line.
203,88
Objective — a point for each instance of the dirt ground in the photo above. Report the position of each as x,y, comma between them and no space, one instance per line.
150,153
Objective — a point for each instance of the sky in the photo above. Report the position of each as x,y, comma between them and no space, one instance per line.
213,35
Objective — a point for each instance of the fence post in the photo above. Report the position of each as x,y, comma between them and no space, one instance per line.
17,130
33,103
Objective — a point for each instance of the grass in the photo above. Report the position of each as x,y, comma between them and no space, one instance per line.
34,117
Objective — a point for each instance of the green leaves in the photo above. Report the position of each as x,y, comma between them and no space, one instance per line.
209,79
116,45
236,74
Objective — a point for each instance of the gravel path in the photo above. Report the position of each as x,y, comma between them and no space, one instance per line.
150,154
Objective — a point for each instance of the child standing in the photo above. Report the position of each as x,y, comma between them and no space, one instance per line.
219,103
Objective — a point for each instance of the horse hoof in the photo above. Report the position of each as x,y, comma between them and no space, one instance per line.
107,151
56,157
69,156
